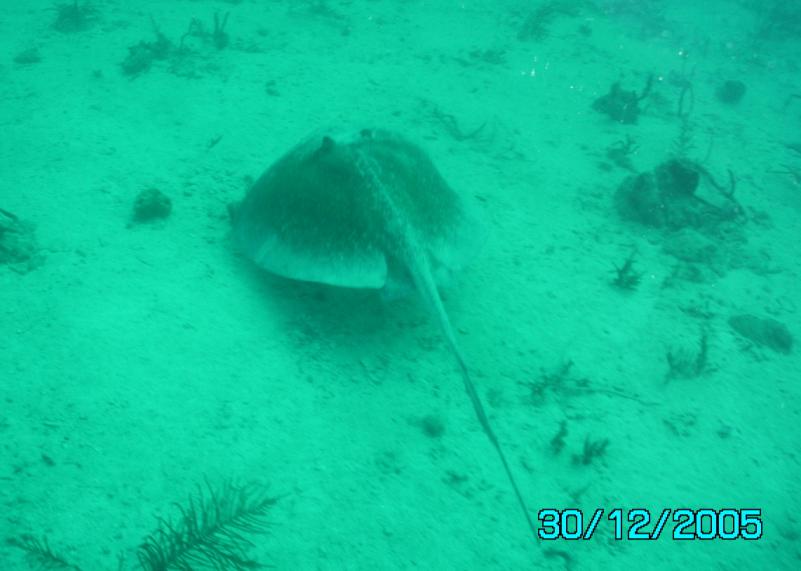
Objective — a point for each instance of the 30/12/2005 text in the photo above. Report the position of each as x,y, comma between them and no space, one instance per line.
637,524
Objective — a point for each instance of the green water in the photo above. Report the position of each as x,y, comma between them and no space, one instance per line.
627,321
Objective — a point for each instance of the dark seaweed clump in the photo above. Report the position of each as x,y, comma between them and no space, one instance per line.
622,105
687,364
74,17
667,197
626,277
142,55
592,449
185,57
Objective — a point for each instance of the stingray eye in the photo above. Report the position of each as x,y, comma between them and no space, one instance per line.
327,144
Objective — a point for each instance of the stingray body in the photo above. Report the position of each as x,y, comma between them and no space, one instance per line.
363,210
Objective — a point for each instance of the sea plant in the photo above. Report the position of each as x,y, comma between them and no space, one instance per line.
213,529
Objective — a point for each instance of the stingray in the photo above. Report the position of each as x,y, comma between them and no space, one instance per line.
364,210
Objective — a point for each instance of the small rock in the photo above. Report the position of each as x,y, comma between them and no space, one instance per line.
731,92
763,331
28,57
432,426
151,204
18,247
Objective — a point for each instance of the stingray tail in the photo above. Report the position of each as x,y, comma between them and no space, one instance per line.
418,265
428,289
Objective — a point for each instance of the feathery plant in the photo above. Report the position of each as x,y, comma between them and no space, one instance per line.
212,530
40,555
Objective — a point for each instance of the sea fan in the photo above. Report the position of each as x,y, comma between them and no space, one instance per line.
211,531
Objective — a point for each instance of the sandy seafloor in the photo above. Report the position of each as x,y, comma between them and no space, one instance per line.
138,360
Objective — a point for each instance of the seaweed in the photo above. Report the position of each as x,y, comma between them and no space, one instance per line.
182,58
592,449
668,197
218,37
686,364
452,127
686,101
621,105
558,440
74,17
561,380
211,530
620,153
564,383
535,24
142,55
684,82
684,140
40,555
625,276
